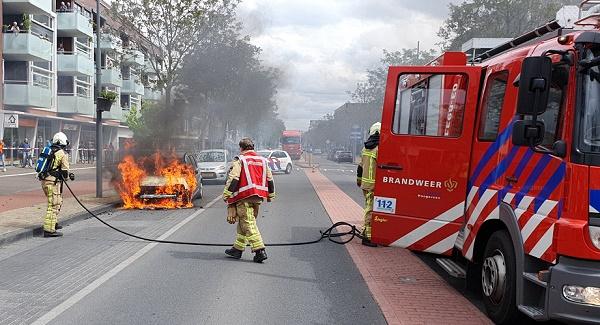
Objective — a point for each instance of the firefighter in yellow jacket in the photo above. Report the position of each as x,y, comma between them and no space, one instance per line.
366,179
52,182
250,182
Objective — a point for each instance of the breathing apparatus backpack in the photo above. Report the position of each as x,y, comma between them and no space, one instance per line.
45,162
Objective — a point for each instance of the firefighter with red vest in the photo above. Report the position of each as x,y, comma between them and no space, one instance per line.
250,182
365,174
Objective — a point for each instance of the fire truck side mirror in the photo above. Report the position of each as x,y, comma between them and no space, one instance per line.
534,85
528,133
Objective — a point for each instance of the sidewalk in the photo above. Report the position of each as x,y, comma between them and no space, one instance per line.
16,170
26,221
407,290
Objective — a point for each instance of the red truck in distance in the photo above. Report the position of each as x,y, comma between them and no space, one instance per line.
291,142
495,165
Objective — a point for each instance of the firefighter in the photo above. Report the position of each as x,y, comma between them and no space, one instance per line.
52,183
366,179
250,182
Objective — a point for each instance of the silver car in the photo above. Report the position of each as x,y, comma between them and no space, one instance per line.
213,164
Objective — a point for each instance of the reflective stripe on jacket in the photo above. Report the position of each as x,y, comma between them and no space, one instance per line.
253,178
368,162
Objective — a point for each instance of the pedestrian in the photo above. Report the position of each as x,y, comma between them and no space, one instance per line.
52,183
250,182
60,49
25,150
2,155
365,179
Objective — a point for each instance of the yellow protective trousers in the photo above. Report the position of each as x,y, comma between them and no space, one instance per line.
54,196
368,211
247,230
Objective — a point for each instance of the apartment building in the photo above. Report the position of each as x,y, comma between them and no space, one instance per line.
49,73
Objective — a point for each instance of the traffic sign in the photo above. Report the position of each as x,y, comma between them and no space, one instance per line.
11,121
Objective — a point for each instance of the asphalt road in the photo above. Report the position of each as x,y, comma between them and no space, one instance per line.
94,275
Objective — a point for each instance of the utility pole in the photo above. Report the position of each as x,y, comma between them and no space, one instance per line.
98,110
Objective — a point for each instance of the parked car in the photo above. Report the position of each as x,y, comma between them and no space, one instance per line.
331,154
155,187
214,164
279,160
344,156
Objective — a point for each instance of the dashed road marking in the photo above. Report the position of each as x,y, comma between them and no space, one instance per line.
74,299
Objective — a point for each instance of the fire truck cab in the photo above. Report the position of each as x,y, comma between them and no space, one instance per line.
496,163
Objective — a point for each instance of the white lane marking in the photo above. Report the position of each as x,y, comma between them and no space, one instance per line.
74,299
26,174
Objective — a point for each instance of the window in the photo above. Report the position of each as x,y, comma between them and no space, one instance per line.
553,114
430,105
492,106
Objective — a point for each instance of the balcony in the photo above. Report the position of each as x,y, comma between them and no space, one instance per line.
75,64
148,69
28,6
27,94
111,77
75,104
26,47
116,113
132,87
151,94
134,58
110,43
74,24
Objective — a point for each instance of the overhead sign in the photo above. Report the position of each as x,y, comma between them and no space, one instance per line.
11,121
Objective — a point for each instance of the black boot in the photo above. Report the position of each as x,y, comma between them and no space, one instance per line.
52,234
57,227
234,253
368,242
260,256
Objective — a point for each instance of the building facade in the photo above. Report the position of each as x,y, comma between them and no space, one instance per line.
48,74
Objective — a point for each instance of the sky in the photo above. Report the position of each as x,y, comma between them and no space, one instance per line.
324,47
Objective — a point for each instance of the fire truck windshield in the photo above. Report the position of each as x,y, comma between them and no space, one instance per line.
591,106
290,140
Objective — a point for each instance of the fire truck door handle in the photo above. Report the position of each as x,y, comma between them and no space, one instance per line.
392,167
511,179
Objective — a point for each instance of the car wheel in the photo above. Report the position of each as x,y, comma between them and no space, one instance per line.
498,279
288,169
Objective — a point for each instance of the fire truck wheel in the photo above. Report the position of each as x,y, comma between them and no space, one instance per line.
498,279
288,169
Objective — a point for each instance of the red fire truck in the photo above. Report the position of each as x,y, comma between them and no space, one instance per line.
495,164
291,142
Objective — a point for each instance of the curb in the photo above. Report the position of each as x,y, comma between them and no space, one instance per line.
37,231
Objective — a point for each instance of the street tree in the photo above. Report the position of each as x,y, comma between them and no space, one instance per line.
174,27
495,18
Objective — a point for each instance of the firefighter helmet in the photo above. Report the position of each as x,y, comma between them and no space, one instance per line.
60,139
375,128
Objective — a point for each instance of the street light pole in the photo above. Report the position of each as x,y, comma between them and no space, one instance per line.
98,110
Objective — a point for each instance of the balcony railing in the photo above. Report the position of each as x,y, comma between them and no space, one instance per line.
73,24
75,104
110,43
133,57
75,64
26,47
111,77
132,86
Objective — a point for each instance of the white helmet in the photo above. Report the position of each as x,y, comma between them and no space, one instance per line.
60,139
375,128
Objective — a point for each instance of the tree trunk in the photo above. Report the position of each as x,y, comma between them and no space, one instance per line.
168,90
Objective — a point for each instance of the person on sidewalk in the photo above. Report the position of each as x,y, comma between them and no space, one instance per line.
52,183
365,179
2,155
25,149
250,182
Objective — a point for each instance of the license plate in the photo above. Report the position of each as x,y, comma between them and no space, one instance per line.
208,175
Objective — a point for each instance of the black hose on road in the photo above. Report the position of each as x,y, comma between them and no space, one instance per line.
328,233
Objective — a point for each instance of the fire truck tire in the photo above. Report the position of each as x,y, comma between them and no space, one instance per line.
498,279
288,169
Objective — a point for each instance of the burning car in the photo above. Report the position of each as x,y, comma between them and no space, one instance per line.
159,181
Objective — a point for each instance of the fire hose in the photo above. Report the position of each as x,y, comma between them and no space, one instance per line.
330,233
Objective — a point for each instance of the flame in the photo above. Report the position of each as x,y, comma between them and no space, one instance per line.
157,174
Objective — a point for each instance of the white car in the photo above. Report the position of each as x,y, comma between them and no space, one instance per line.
213,164
279,160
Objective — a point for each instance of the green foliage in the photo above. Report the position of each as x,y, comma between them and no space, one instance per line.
495,18
26,22
134,119
106,94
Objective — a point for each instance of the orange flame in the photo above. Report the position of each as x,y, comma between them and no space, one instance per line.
143,179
